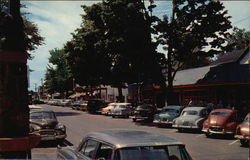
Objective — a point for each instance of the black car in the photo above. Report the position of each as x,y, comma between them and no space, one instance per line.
44,123
94,105
144,112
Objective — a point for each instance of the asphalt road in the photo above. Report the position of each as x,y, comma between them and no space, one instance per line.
79,123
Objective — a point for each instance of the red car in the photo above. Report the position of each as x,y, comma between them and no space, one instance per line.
220,121
242,131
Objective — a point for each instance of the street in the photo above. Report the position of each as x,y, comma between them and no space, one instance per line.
79,123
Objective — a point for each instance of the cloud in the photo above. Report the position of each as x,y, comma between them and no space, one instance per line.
56,21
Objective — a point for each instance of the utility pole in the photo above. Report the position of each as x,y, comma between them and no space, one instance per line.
15,141
169,54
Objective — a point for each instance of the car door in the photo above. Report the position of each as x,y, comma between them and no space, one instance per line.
87,150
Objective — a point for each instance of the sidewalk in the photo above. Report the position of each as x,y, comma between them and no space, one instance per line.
45,150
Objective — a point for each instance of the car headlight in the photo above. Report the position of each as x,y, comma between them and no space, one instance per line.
35,128
61,127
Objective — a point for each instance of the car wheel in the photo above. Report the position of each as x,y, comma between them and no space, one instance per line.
244,142
208,135
113,116
134,119
180,130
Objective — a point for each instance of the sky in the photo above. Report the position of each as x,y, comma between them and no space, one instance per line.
56,21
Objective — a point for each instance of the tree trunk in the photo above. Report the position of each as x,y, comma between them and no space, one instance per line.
120,95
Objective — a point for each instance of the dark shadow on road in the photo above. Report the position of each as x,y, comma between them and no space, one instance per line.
62,114
223,137
50,144
145,123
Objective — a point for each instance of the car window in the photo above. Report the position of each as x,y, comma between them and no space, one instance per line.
104,151
36,115
184,113
41,115
220,113
88,148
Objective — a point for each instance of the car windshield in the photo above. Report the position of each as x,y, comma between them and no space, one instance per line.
170,110
189,113
220,113
41,115
153,153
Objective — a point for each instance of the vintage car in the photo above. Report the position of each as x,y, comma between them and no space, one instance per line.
44,123
106,110
144,112
76,105
122,110
220,121
95,105
83,106
125,145
191,118
167,115
243,132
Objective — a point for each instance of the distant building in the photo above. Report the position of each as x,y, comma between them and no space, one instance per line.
227,80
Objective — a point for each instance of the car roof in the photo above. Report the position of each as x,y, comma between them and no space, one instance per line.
193,108
172,107
224,110
122,138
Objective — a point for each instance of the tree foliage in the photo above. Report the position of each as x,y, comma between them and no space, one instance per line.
58,77
114,46
238,39
196,31
32,38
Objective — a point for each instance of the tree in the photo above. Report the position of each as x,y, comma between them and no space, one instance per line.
118,32
238,38
196,30
58,77
32,38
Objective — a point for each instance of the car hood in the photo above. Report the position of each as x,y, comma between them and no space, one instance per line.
187,118
51,123
217,120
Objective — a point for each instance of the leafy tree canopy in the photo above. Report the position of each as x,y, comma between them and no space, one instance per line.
32,38
58,77
239,38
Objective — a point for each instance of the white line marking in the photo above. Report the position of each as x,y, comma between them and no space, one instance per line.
233,142
200,135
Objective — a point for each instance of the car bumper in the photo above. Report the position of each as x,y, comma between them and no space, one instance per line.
242,137
185,127
52,135
162,122
138,117
205,130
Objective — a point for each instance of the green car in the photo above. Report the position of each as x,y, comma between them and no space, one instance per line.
167,115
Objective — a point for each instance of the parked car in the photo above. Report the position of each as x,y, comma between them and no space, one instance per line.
125,145
44,123
191,118
122,110
220,121
83,106
106,110
144,112
66,102
243,132
76,105
167,115
95,105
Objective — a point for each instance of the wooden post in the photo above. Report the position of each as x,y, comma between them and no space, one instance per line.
14,112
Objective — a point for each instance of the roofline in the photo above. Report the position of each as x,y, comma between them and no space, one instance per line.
211,84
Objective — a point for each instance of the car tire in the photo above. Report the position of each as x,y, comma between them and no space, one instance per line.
134,119
180,130
208,135
244,142
113,116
